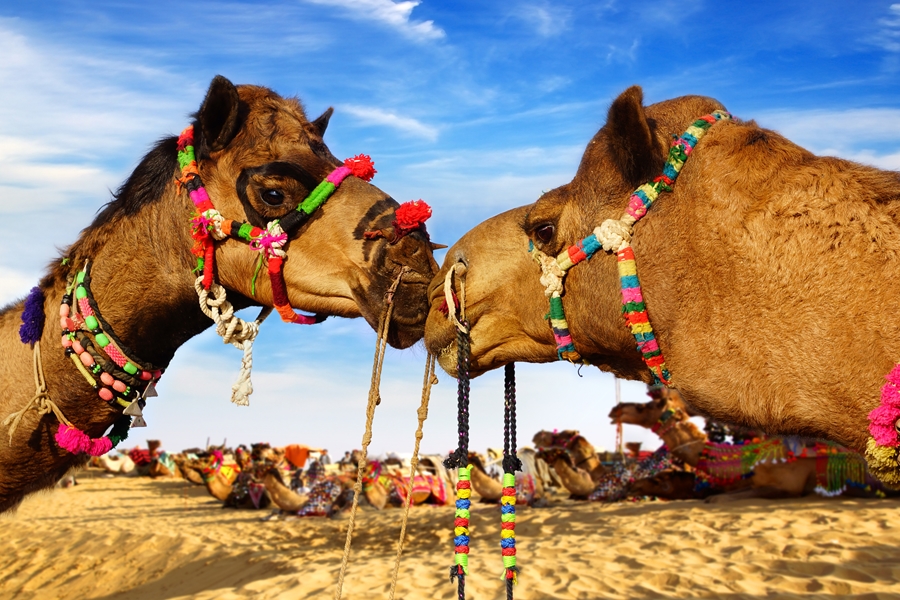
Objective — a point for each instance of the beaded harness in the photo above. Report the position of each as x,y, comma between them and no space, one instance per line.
615,236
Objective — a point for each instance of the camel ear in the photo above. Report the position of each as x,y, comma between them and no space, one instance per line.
218,115
321,124
630,140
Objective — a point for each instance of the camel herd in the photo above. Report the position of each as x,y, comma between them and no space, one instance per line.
765,272
688,465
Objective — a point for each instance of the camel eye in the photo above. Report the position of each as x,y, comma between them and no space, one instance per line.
272,197
545,233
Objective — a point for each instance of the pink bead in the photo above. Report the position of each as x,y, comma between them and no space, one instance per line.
145,376
107,379
119,386
63,310
157,374
86,359
66,342
106,394
77,347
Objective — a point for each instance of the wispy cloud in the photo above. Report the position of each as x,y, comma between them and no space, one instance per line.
867,135
408,125
547,20
392,14
888,36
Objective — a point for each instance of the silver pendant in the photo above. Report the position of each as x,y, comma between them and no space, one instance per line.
133,410
138,422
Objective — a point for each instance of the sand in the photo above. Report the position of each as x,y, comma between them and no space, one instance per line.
142,539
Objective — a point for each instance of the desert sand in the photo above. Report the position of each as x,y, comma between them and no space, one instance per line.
146,539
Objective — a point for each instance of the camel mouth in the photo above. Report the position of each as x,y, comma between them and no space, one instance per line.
410,312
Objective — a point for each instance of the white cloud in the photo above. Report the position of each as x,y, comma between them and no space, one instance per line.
888,37
867,135
547,20
408,125
14,284
392,14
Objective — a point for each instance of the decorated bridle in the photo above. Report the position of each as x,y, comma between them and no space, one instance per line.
614,235
208,226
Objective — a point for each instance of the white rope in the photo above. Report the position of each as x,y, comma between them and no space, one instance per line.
233,330
448,294
615,234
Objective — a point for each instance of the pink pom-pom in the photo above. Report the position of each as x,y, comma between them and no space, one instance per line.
882,420
72,439
412,214
100,446
361,166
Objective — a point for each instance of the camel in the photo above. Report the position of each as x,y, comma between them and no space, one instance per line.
219,476
115,463
261,161
766,273
575,480
573,458
774,473
582,453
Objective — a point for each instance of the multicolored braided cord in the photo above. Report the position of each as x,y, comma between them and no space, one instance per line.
461,522
615,236
508,525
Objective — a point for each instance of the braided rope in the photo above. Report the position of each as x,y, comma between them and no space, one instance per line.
422,413
511,464
233,330
41,401
373,401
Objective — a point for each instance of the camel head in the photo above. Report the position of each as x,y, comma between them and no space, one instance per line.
259,158
505,300
645,414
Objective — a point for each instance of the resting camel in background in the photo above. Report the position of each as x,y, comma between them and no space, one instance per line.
767,273
573,458
260,160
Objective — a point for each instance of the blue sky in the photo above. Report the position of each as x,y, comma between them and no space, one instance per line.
474,106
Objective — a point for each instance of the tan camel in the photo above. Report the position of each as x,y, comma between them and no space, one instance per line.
259,157
282,496
766,272
488,488
582,452
577,481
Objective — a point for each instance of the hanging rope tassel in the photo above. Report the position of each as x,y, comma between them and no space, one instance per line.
511,464
429,381
374,399
460,457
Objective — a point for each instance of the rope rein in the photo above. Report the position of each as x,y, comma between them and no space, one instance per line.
511,464
422,413
374,399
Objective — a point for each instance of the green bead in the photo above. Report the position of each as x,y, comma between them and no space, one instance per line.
130,368
91,322
80,292
102,340
80,277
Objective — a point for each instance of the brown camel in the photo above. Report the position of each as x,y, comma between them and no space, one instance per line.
766,273
259,157
581,451
488,488
577,481
282,496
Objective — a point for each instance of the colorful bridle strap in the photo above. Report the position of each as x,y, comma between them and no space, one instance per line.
208,225
614,235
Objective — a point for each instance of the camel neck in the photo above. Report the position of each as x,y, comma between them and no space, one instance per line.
141,277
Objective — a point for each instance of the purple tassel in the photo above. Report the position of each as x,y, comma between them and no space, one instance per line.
32,317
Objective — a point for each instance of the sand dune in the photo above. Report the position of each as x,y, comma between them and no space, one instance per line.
148,540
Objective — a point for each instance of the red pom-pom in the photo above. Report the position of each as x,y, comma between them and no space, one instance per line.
361,166
186,138
412,214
